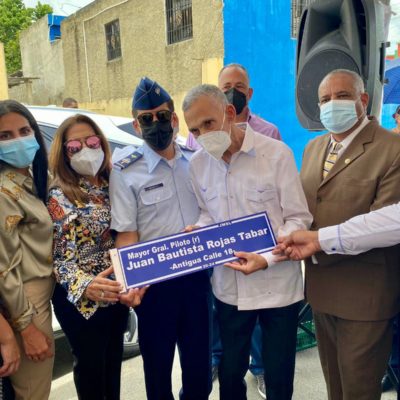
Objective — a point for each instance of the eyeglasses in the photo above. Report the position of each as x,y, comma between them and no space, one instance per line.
74,146
146,119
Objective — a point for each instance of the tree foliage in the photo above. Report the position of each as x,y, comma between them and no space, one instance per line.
39,11
14,18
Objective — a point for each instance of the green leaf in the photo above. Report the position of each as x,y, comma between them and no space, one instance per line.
14,18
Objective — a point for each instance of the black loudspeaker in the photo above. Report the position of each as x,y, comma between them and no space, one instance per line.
337,34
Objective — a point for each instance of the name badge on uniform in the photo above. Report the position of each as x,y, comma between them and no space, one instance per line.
158,185
146,263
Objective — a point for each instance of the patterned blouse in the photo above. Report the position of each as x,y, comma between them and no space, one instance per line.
82,240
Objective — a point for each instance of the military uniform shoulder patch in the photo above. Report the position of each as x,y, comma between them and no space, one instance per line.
184,147
128,160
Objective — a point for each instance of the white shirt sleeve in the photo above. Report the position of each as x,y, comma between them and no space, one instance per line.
293,203
380,228
269,258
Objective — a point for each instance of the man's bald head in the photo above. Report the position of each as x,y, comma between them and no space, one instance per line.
206,90
355,79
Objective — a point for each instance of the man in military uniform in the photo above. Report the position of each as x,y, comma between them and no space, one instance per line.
151,196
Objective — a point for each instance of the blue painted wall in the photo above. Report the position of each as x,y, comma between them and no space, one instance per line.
388,110
257,35
387,116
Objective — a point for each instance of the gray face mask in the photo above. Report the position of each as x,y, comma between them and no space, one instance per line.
87,162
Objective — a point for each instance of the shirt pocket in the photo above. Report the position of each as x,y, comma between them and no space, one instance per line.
213,202
260,199
157,199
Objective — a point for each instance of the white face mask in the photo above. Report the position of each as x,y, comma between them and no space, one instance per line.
215,143
87,161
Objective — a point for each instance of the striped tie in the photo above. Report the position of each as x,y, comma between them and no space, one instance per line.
331,158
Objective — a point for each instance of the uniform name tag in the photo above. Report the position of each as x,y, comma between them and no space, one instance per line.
172,256
154,187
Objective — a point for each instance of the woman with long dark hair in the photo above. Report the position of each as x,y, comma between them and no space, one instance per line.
26,282
86,297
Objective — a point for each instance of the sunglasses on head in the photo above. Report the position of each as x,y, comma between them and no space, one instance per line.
146,119
75,145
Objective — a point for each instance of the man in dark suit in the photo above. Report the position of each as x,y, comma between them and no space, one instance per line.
353,169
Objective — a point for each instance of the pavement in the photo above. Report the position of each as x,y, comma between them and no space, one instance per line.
309,382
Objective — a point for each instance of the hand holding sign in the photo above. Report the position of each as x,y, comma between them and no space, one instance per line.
133,297
247,262
298,245
190,228
102,288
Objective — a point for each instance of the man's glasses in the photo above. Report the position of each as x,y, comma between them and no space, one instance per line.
146,119
74,146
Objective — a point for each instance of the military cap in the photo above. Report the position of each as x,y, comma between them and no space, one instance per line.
148,95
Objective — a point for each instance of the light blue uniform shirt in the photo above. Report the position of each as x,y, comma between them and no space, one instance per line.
150,196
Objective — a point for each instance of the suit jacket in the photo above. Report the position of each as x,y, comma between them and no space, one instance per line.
366,177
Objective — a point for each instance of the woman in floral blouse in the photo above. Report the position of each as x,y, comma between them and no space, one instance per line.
86,298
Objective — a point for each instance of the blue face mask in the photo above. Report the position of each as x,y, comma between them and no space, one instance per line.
338,116
19,152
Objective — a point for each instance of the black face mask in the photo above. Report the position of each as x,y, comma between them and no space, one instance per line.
159,135
238,99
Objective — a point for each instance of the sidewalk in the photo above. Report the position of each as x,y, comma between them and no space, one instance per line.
309,383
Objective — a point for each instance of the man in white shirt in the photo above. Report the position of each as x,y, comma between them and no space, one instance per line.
379,228
239,173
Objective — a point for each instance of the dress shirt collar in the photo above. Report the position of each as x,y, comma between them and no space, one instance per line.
153,158
248,142
22,180
249,115
347,140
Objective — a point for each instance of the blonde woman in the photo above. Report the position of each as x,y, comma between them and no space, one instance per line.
86,297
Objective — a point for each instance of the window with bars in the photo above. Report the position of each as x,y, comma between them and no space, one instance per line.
179,20
298,7
113,40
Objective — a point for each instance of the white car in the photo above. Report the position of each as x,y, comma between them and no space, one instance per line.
50,118
118,130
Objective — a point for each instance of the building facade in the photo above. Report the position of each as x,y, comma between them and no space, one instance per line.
109,45
42,61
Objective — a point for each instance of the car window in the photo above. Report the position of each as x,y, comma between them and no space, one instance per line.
128,127
48,133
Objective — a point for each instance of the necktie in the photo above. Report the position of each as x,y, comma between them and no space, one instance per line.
331,158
